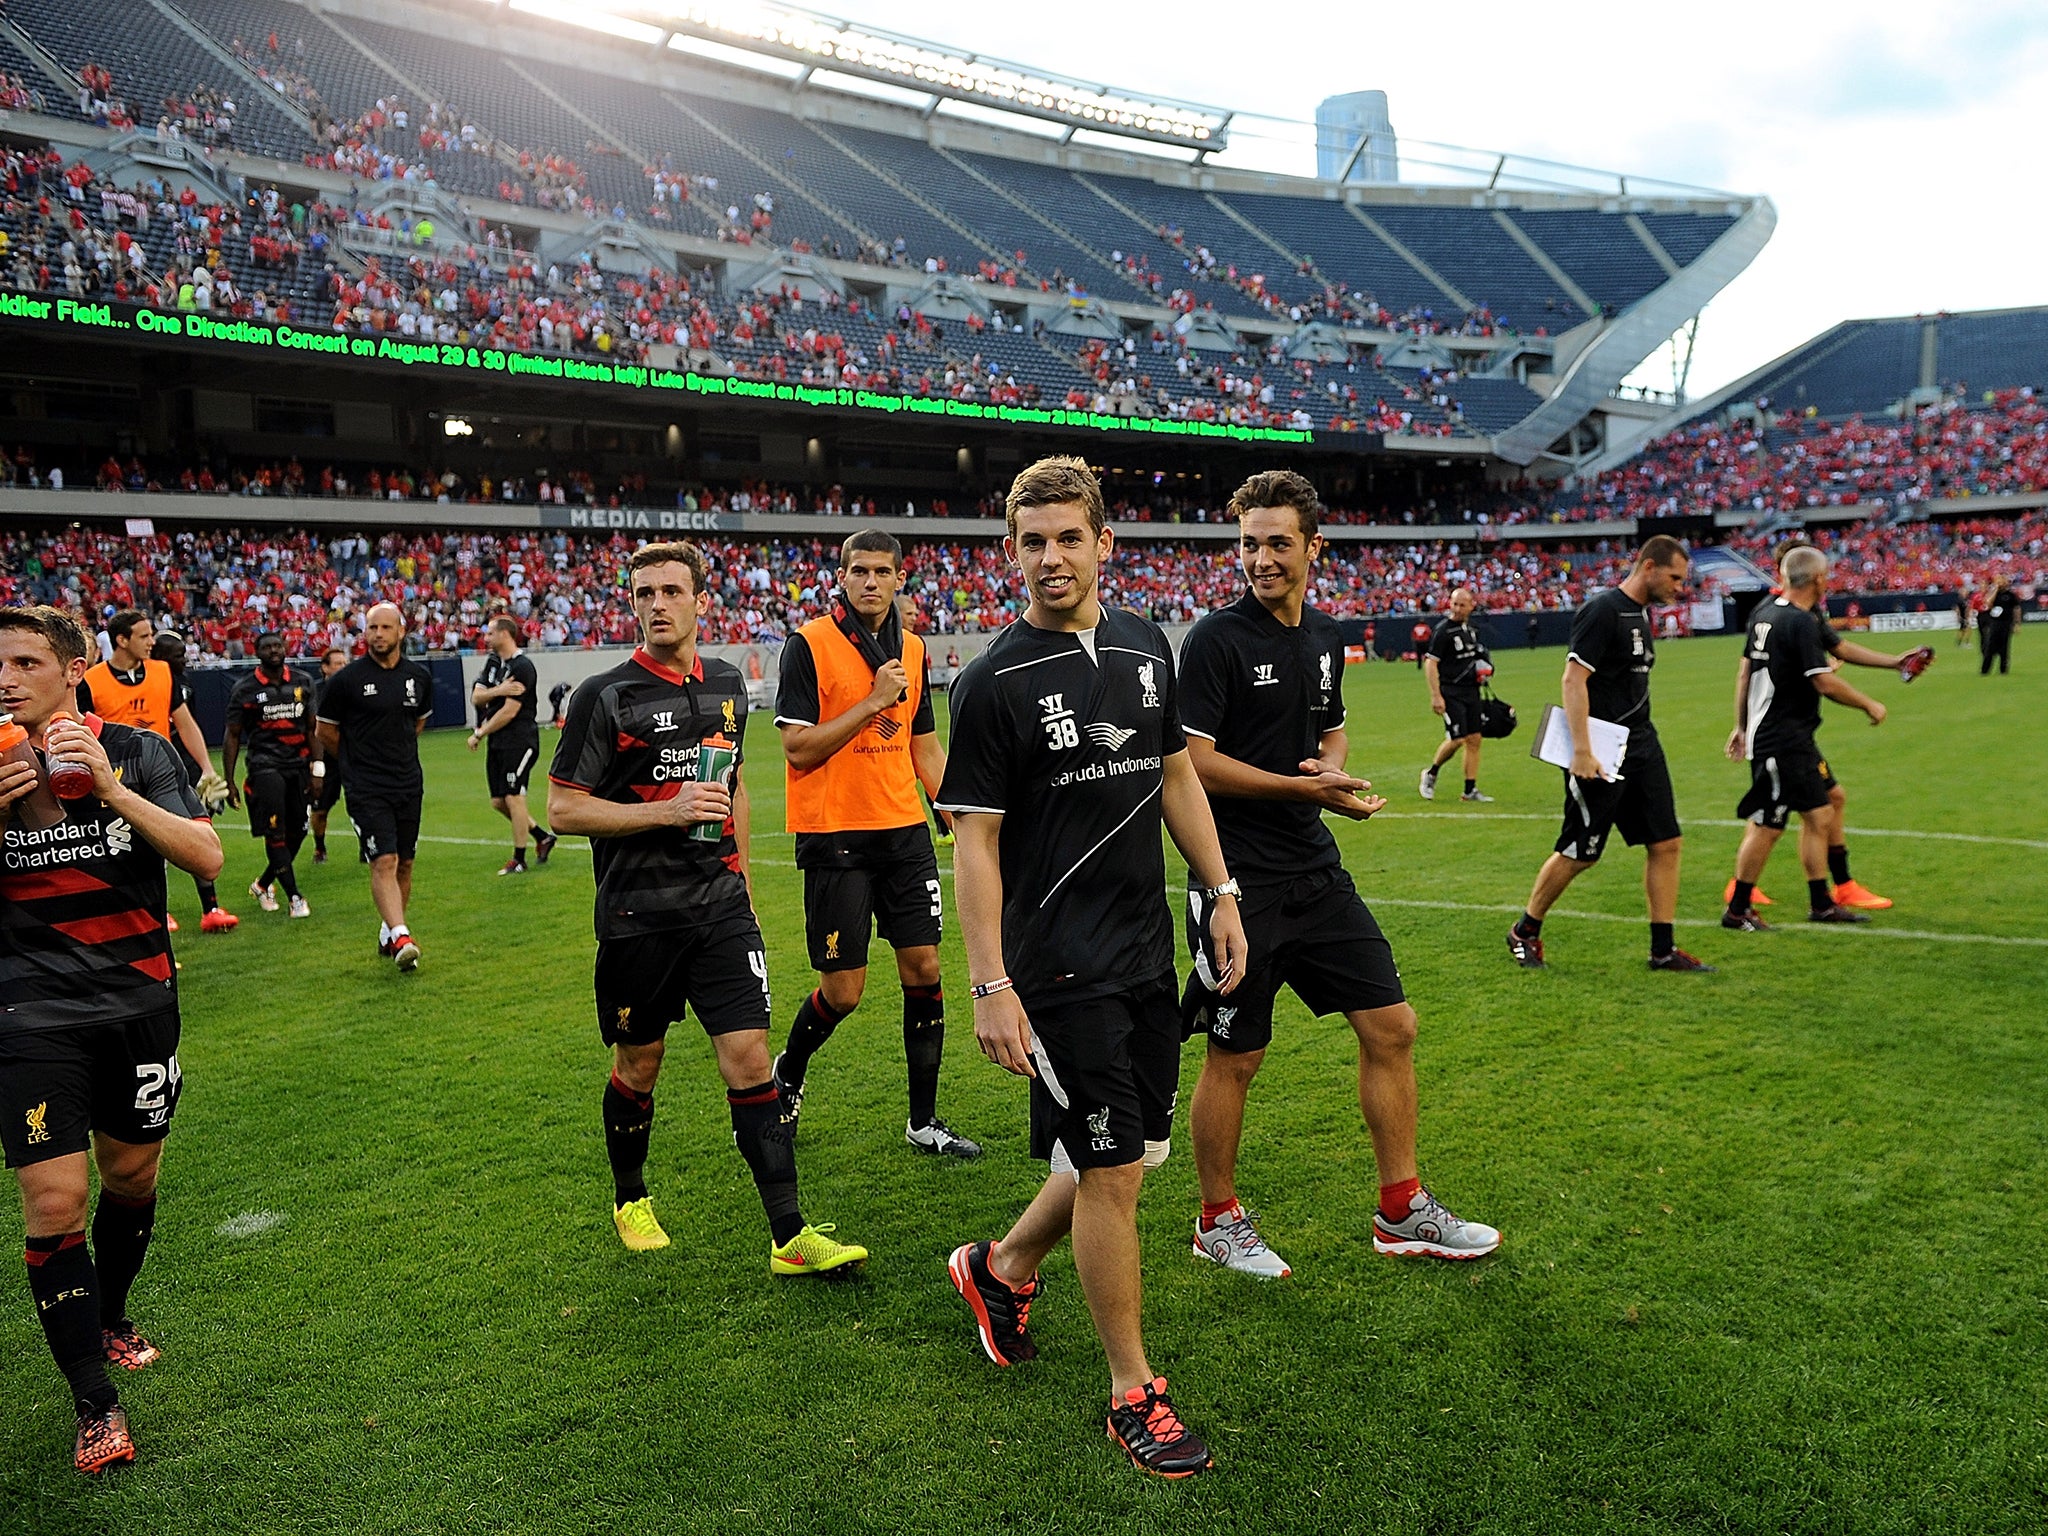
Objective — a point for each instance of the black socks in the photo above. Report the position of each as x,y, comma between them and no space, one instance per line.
628,1123
1838,863
1818,894
812,1027
62,1280
1661,941
924,1043
760,1124
1744,897
1529,927
121,1229
209,897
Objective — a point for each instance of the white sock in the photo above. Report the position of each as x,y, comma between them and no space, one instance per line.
383,933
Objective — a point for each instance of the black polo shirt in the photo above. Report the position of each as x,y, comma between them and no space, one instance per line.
1786,653
1066,736
1458,651
1265,693
1611,638
377,710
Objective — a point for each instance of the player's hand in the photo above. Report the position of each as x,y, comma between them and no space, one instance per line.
1738,744
474,741
1585,765
70,738
1877,712
1003,1032
17,781
1436,704
891,683
1331,789
234,798
1233,953
699,802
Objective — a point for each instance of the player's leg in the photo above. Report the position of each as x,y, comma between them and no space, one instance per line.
909,916
1589,808
522,824
1472,743
1660,881
1216,1121
637,1000
122,1226
387,893
838,916
1848,890
1759,837
1105,1228
498,804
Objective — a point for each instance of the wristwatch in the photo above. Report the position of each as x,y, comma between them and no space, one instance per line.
1228,888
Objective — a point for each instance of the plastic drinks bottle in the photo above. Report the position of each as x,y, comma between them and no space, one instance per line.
37,809
70,777
714,766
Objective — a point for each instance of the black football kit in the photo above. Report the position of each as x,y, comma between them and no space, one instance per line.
1266,693
511,751
1460,654
1065,735
1612,640
1786,649
377,710
276,715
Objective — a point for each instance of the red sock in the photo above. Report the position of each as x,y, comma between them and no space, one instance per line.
1214,1211
1394,1198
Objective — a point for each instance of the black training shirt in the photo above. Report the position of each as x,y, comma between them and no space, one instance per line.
1458,651
376,709
631,737
1785,654
1066,737
1266,694
82,902
524,726
277,719
1611,639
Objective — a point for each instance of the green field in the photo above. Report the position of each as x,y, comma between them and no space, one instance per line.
1769,1233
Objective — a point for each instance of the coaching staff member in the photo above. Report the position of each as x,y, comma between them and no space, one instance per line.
1067,753
675,914
509,689
88,1011
272,710
1262,703
1456,664
374,710
1607,676
854,707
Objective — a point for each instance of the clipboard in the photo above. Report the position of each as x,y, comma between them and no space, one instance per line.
1553,743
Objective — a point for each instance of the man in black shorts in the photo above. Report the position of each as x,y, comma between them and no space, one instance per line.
1066,756
855,711
326,770
1789,674
1607,677
374,710
88,1010
507,700
648,770
272,710
1456,664
1262,703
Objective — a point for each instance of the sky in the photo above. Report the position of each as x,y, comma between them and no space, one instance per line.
1896,140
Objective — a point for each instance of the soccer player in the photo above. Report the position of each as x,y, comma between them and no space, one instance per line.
855,711
273,710
1607,677
675,916
1456,664
1995,626
88,1010
327,770
132,688
1067,754
374,710
557,697
1262,703
1788,674
1848,891
507,697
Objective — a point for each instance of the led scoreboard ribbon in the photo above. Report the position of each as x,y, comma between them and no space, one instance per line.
57,317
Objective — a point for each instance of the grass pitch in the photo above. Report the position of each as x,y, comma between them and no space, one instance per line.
1774,1237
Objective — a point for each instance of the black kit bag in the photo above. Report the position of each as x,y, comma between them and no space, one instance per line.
1496,716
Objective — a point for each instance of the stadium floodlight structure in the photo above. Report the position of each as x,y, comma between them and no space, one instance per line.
814,41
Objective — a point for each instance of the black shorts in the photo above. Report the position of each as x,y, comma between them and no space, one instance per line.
276,798
1782,783
720,971
385,824
327,788
1641,805
1313,934
1461,714
1108,1076
509,764
60,1086
898,895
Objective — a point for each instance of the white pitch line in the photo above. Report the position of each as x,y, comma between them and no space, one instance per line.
1708,821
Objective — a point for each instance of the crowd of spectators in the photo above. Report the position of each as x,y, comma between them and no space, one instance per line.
1950,555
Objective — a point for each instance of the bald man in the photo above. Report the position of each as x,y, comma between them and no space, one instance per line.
373,710
1456,663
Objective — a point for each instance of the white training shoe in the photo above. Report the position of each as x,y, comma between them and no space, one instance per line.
266,896
1234,1242
1432,1232
1428,785
300,907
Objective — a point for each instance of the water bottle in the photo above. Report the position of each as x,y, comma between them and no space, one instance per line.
70,777
38,809
715,757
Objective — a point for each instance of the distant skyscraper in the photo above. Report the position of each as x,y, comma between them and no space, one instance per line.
1341,121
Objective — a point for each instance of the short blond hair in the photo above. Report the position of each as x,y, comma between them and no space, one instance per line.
1057,482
